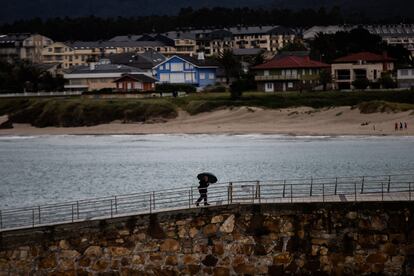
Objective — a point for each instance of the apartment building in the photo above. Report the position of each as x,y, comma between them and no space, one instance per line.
68,55
269,38
364,65
394,34
23,46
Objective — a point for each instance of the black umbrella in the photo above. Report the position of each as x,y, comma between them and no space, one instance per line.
211,177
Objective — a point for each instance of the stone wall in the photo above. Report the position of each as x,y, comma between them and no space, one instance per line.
275,239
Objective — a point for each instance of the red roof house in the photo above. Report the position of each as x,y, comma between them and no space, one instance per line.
288,73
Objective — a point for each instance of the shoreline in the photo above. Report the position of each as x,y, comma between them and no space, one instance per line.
300,121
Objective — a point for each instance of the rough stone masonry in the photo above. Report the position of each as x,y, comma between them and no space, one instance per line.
267,239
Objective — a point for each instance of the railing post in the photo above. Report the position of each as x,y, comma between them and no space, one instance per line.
73,213
112,212
323,192
150,203
336,185
116,205
291,193
33,218
77,209
192,199
382,191
230,193
38,211
362,184
389,184
258,195
311,186
284,188
189,198
355,185
153,200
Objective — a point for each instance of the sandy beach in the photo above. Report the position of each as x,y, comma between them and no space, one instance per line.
246,120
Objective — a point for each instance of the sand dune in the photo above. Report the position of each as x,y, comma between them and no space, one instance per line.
244,120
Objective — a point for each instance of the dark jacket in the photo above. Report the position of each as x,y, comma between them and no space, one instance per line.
203,185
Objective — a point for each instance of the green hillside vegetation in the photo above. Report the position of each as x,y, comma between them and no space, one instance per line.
72,112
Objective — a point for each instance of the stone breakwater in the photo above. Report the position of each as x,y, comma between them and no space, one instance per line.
331,239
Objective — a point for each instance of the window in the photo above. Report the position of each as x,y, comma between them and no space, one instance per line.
211,76
164,77
290,84
202,76
167,66
404,72
266,73
162,67
177,67
189,77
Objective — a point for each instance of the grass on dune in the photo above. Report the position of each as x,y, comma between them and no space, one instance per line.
72,112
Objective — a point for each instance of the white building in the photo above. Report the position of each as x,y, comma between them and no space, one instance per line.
405,77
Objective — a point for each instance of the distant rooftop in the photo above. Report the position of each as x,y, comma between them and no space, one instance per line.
363,56
104,68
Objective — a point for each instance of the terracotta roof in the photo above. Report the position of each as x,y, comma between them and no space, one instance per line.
364,56
291,61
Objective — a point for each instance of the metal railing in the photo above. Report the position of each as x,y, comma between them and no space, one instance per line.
361,188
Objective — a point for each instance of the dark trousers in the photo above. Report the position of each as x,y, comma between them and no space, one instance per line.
203,195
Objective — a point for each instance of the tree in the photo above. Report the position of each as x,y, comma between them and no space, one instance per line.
325,78
258,59
230,64
386,81
294,46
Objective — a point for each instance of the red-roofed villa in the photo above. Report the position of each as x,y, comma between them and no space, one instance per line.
363,65
288,73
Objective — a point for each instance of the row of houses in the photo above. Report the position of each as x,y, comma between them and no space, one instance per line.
284,72
143,72
296,72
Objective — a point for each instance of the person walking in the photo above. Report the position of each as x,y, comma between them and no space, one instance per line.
202,189
401,126
396,126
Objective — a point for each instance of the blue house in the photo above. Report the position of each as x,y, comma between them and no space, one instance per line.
182,69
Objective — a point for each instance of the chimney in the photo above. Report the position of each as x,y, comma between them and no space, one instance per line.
200,56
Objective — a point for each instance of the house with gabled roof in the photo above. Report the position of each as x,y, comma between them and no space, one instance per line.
135,82
181,69
288,72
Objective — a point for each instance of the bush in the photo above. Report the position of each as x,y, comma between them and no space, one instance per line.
218,88
361,84
387,82
239,86
170,88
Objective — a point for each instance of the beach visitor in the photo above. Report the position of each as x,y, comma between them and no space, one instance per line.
396,126
401,126
202,189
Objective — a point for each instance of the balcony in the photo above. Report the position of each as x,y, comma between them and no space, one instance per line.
286,77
